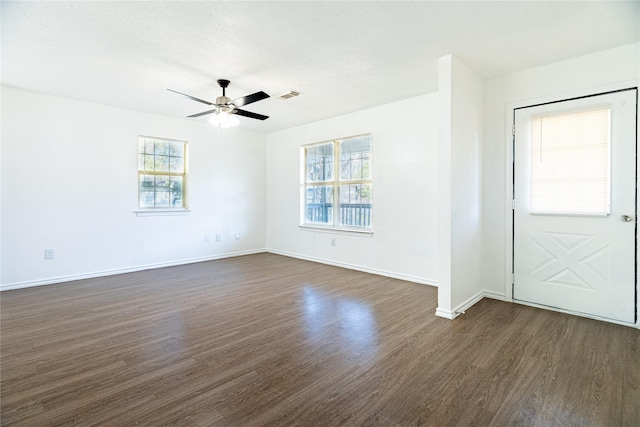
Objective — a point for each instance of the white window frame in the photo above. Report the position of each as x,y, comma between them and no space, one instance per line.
335,183
163,210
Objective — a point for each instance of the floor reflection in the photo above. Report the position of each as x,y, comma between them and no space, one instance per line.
348,323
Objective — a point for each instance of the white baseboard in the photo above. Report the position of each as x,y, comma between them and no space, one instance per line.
447,314
61,279
461,308
408,278
495,295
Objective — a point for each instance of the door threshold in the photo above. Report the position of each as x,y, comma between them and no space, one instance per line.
635,325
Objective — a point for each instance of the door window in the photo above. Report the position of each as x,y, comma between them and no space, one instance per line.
570,162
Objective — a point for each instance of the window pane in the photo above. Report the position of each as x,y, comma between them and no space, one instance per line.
147,182
319,205
161,191
176,164
161,163
162,199
175,187
355,158
176,150
319,163
570,161
162,148
159,155
146,199
161,182
355,205
145,146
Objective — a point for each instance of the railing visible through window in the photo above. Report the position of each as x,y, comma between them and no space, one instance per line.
351,214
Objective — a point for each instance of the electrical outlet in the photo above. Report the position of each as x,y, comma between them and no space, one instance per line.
206,238
49,254
218,238
237,236
333,241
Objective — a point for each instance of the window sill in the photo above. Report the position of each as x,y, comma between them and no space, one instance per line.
333,230
162,212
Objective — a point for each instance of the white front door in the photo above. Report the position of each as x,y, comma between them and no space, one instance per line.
574,210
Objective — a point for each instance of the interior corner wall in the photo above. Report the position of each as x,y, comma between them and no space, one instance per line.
460,93
69,183
405,194
606,70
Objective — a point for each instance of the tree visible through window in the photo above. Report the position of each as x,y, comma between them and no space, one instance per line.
349,188
161,173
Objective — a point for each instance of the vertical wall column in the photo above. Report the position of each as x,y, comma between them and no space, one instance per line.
460,187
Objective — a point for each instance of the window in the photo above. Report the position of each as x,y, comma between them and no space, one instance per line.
347,186
162,173
570,163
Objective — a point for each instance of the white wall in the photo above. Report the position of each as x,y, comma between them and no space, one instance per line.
405,192
460,190
69,182
606,70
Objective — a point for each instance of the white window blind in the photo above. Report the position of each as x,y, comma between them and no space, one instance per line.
570,163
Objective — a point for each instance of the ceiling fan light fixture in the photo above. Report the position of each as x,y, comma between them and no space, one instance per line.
224,119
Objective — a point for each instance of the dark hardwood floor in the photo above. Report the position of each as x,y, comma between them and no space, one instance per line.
265,340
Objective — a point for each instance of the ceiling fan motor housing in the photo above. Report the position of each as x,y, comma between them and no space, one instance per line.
223,100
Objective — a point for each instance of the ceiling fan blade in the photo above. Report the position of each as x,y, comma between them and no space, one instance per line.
191,97
254,97
203,113
250,114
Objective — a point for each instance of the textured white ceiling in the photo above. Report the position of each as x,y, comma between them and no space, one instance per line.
342,56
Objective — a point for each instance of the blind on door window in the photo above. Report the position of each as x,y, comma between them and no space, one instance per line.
570,163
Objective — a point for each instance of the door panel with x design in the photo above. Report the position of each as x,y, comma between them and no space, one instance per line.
571,260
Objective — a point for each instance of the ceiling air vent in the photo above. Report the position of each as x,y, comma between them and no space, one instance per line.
289,95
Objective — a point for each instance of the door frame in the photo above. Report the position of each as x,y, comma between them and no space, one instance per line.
509,179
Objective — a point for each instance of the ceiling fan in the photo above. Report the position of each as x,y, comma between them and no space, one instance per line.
225,108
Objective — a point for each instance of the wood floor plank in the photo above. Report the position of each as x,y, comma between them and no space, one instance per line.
266,340
631,381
